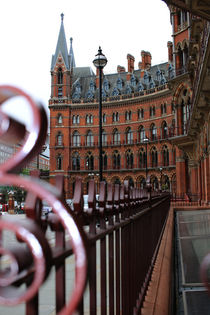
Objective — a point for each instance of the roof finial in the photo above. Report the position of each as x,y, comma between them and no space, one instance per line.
62,15
71,40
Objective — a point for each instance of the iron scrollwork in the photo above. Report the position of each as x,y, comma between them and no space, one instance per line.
31,264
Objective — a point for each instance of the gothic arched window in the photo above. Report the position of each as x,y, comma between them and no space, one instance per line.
59,162
165,155
89,138
142,158
89,160
104,137
141,113
116,137
104,161
75,161
76,139
141,134
153,130
154,157
164,130
129,136
129,159
59,139
116,160
60,76
60,119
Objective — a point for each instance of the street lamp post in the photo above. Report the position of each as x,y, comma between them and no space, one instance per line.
146,140
100,62
161,169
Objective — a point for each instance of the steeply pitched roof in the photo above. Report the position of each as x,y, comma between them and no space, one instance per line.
71,55
61,47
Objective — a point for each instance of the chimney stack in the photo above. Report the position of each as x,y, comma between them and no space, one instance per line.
146,60
131,61
120,69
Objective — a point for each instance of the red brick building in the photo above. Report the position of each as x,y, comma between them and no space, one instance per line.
142,101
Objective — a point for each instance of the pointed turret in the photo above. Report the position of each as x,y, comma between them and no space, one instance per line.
71,55
61,47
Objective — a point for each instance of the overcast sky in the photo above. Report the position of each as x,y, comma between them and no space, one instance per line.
29,32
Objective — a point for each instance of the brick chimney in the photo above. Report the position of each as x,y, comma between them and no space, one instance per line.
146,60
120,69
97,77
170,52
131,61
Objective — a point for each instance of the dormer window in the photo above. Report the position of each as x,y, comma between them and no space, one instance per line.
60,76
119,83
133,81
158,74
106,85
115,92
146,78
140,87
92,86
78,87
90,95
128,89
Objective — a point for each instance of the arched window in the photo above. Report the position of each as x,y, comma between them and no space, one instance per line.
128,115
104,118
89,160
141,134
165,155
59,139
164,130
141,113
75,161
77,119
76,139
154,157
153,130
180,59
59,162
116,181
89,138
74,119
115,117
142,158
129,136
116,137
104,137
116,160
60,76
104,161
129,159
60,119
89,119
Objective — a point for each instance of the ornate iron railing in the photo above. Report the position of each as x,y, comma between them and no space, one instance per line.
126,222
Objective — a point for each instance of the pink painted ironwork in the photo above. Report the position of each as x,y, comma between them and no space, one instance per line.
31,265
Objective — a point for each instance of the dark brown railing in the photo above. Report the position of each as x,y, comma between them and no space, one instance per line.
117,234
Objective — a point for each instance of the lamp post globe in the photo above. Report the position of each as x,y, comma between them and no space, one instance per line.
100,62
